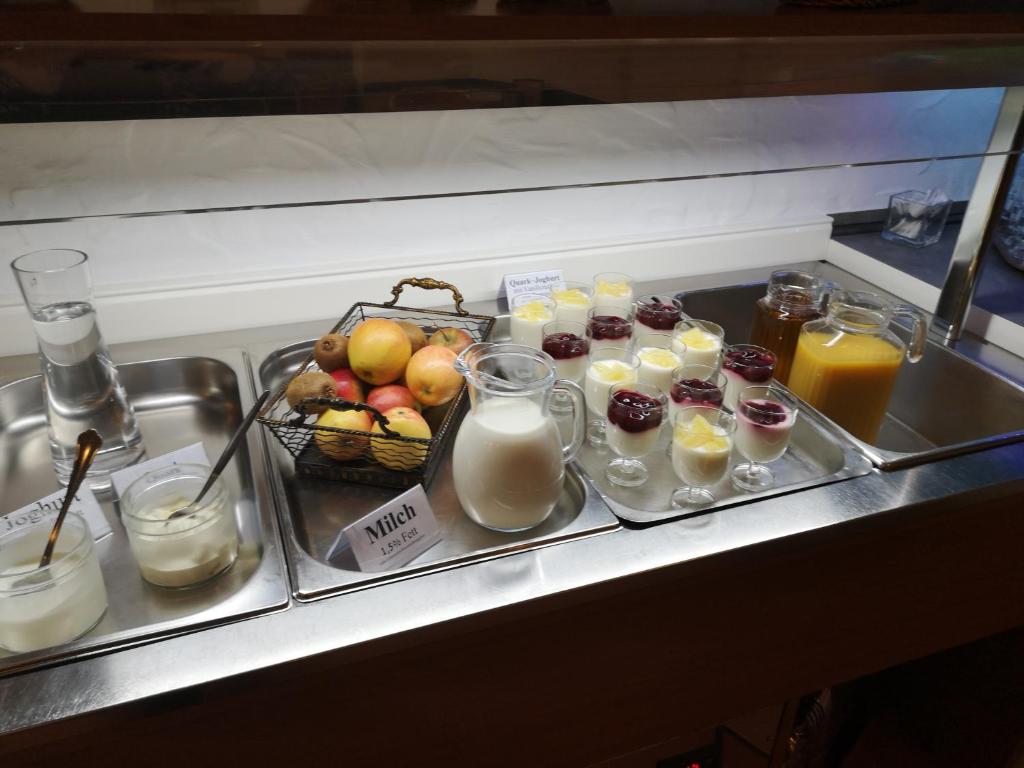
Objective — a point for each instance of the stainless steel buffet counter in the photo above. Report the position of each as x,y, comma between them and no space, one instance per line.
392,616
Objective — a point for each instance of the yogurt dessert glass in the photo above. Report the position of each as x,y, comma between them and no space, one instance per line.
613,289
609,327
530,312
655,314
657,360
43,607
567,343
764,420
702,440
745,365
700,340
573,302
608,366
189,549
635,415
696,384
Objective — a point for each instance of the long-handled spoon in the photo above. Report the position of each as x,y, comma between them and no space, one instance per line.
89,443
225,457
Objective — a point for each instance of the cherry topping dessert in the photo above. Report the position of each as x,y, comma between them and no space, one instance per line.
763,412
658,314
564,345
752,363
634,411
609,327
697,391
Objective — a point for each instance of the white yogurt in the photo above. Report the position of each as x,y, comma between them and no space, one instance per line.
572,368
601,375
632,444
527,322
515,474
700,459
613,294
43,608
698,346
656,366
762,443
572,304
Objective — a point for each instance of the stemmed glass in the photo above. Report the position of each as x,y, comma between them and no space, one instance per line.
702,441
573,301
609,326
635,415
656,314
614,289
658,359
608,366
765,416
745,365
701,341
567,343
530,312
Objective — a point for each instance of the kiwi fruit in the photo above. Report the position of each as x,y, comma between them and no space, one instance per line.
331,352
417,337
310,384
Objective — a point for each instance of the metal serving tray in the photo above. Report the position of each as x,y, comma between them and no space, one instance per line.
944,405
178,401
817,455
313,512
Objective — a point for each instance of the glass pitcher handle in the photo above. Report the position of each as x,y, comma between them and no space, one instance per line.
579,418
918,333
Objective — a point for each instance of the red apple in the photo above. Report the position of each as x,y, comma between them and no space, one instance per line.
348,384
392,396
454,339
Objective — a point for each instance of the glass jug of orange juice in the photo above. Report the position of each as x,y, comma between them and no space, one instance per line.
846,364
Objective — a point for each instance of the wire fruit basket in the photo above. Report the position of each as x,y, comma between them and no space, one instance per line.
381,456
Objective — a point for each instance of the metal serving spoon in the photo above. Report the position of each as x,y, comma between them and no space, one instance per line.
89,443
225,457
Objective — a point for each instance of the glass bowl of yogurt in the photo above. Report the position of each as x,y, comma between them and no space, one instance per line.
702,441
699,341
189,549
765,417
573,302
530,312
43,607
609,326
655,314
613,290
635,414
567,343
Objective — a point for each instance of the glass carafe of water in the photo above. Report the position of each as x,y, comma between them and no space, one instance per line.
509,460
80,383
846,363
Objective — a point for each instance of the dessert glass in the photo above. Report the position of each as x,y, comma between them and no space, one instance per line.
608,366
657,360
530,312
655,314
573,302
609,327
764,420
700,340
187,550
696,384
567,343
635,415
42,607
745,365
614,289
702,440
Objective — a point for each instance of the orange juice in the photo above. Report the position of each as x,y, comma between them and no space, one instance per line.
848,377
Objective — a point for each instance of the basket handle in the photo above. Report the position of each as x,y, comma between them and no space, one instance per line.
427,283
340,404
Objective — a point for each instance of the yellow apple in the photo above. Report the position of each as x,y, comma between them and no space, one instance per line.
378,350
343,447
431,377
396,454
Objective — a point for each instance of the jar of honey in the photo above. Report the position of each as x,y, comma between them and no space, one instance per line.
793,299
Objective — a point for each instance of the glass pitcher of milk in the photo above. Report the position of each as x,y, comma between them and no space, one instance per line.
509,459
